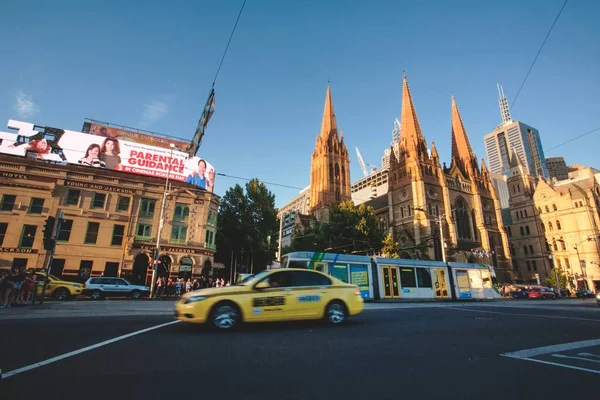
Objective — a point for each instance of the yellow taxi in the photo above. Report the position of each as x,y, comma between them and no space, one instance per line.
57,288
274,295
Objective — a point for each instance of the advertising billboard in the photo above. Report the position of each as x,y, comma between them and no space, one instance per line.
64,146
105,130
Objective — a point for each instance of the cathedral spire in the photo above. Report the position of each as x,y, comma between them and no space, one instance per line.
329,124
411,138
462,153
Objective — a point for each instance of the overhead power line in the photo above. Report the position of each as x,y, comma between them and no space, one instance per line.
537,55
571,140
229,42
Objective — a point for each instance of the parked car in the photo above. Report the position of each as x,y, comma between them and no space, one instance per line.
102,287
583,293
520,294
57,288
541,293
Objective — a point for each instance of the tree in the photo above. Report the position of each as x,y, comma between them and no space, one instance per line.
350,229
551,279
247,221
390,248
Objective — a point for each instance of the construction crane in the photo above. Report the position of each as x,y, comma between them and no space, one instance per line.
364,165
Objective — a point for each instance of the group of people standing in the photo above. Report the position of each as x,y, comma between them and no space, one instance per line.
176,287
17,287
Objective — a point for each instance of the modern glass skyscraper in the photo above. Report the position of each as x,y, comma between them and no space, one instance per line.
514,136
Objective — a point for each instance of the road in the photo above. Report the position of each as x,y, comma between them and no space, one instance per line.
390,351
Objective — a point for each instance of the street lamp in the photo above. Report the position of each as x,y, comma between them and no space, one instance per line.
161,223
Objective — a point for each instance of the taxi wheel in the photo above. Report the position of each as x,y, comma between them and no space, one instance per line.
61,294
225,316
336,313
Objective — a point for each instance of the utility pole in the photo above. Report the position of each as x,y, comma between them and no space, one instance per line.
161,225
279,243
50,246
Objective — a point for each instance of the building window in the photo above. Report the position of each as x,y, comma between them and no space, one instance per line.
522,231
8,202
531,249
525,249
3,227
179,235
547,209
64,233
36,206
525,211
528,265
73,197
558,227
527,230
91,236
28,236
567,263
550,226
147,208
143,231
437,210
534,265
99,200
123,204
462,220
182,212
554,245
554,207
509,229
401,212
562,244
117,237
85,270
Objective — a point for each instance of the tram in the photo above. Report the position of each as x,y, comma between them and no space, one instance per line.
397,278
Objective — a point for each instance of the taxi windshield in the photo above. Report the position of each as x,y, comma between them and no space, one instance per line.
252,278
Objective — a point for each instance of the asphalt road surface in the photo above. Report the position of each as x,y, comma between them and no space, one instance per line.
450,351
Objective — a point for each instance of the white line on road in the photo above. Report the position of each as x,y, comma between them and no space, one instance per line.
524,315
83,350
555,364
588,355
538,351
574,358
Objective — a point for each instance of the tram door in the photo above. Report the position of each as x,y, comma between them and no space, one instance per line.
391,287
440,282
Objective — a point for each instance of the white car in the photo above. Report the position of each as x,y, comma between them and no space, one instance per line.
101,287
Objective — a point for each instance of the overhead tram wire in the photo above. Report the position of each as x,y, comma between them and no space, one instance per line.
228,43
537,55
571,140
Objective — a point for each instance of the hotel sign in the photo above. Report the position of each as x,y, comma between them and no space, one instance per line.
17,250
95,186
171,249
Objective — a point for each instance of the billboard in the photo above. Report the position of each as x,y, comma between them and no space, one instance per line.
105,130
64,146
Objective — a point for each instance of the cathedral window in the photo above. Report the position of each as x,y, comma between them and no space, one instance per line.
554,207
554,245
473,220
562,244
522,232
528,265
401,212
547,209
550,227
533,264
462,219
525,249
525,211
429,210
509,229
527,229
558,227
408,210
437,210
330,173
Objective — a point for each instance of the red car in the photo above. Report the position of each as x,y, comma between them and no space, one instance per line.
541,293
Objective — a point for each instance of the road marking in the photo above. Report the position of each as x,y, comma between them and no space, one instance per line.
575,358
538,351
83,350
525,315
556,364
588,355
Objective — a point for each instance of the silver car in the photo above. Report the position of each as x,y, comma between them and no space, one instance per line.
102,287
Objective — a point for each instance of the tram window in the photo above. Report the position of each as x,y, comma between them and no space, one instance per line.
407,277
297,264
424,278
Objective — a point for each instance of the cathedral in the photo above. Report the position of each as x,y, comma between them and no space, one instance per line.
424,198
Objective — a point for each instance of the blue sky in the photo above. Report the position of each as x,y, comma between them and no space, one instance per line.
151,65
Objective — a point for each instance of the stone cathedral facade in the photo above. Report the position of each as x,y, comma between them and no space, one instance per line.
423,192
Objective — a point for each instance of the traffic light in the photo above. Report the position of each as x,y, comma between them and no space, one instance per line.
49,227
49,244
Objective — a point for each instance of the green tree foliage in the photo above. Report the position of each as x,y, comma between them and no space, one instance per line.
351,229
551,279
247,226
390,248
